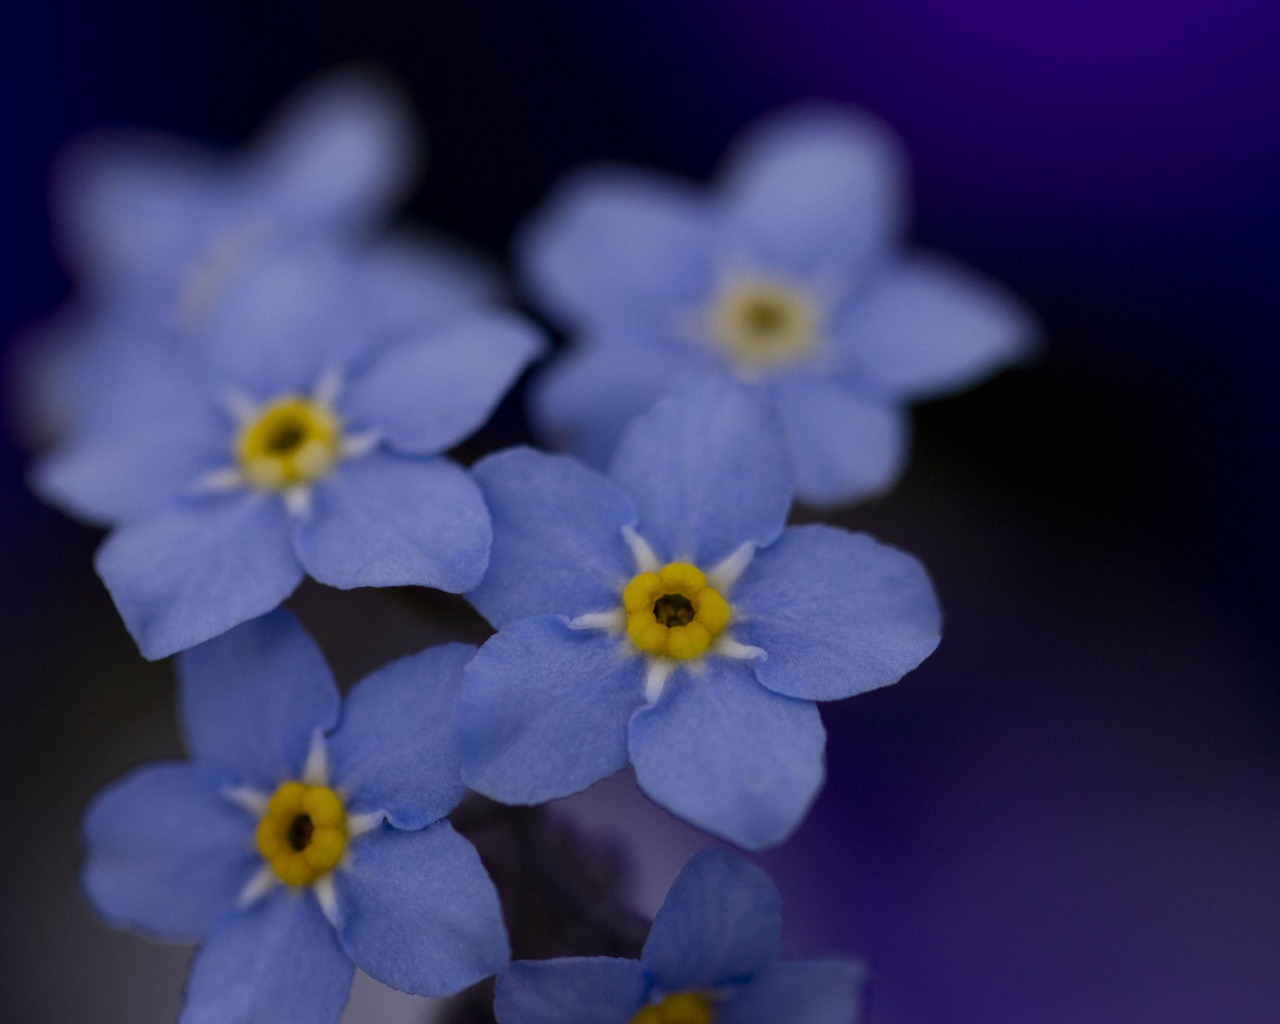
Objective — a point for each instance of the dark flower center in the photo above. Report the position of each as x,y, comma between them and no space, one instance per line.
673,610
285,435
300,831
764,318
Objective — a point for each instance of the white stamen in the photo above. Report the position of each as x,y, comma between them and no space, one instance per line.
611,621
354,445
327,388
327,896
247,798
727,647
241,407
727,572
297,500
646,560
259,885
359,824
219,481
316,771
655,678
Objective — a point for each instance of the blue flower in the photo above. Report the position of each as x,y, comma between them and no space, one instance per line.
295,440
711,958
662,616
299,843
791,274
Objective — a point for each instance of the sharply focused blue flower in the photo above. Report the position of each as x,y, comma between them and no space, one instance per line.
711,958
299,841
791,274
298,439
662,616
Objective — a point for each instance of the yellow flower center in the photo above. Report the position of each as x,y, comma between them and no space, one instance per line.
303,832
291,440
677,1008
764,322
673,613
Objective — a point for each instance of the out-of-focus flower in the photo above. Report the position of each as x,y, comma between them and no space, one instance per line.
295,441
791,274
298,841
662,616
711,958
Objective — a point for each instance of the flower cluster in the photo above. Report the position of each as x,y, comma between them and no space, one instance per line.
252,386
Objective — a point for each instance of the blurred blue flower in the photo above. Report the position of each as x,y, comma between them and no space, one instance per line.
662,616
791,274
295,440
712,956
299,842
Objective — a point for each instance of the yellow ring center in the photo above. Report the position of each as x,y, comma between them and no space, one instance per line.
677,1008
289,441
764,322
303,832
674,613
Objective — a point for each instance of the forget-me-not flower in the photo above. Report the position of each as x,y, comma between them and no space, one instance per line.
792,274
711,958
662,616
301,840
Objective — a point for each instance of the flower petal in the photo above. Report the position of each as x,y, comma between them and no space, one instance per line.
721,921
396,749
836,613
279,961
425,395
544,711
801,992
252,699
817,190
585,990
844,447
733,758
420,913
385,520
198,568
615,243
423,283
557,537
708,470
165,854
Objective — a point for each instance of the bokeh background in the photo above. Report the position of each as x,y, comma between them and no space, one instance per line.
1072,812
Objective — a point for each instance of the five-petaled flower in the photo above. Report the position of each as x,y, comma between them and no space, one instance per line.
300,841
662,616
791,274
711,958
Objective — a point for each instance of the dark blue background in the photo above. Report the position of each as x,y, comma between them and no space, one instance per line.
1072,812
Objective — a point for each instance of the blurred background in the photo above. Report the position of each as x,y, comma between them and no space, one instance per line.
1071,813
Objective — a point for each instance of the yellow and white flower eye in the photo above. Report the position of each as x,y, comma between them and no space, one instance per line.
674,612
677,1008
762,322
288,442
303,832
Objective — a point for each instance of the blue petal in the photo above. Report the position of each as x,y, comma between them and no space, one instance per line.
844,447
557,537
721,922
397,747
708,470
616,243
165,854
584,990
385,520
277,961
733,758
252,698
800,992
932,326
837,613
818,190
424,396
196,569
544,711
423,283
420,913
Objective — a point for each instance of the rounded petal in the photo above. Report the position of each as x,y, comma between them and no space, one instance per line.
544,711
278,961
729,756
198,568
423,283
386,520
836,613
843,447
618,244
708,470
420,914
817,190
931,326
557,537
801,992
396,749
424,396
164,852
721,921
253,698
585,990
